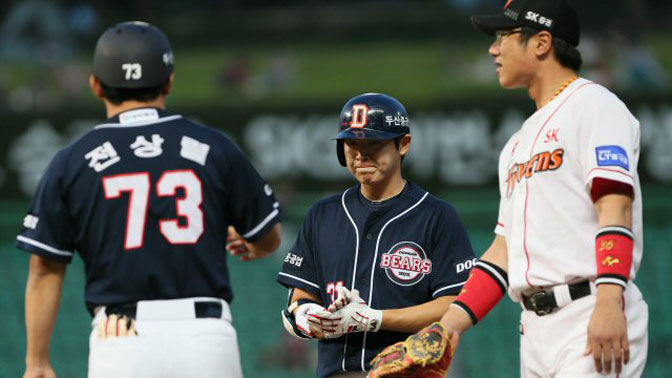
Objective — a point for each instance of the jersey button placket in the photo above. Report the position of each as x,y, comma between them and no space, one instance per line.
369,236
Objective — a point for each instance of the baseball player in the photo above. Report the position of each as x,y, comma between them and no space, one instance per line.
569,234
379,261
146,199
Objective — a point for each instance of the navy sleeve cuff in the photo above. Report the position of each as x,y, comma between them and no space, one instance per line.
43,250
289,280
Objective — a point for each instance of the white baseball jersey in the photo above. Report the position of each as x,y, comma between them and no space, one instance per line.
545,175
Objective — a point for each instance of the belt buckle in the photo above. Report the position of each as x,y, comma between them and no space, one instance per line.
539,303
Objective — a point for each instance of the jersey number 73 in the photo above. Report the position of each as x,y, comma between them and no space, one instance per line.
138,186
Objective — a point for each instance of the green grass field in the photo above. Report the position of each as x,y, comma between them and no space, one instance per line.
428,72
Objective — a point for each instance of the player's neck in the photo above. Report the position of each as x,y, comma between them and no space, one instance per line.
382,191
547,84
112,109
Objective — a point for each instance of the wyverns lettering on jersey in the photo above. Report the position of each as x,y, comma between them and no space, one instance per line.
146,198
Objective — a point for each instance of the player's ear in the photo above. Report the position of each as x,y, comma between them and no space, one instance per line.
169,86
544,42
96,89
405,144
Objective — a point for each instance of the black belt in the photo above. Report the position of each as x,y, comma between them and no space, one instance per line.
203,309
543,302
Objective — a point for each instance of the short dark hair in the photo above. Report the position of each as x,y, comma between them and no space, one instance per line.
119,95
397,144
566,53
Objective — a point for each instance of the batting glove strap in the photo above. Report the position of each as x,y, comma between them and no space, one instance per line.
296,322
613,247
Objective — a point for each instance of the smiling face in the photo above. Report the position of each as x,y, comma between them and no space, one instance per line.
375,161
515,61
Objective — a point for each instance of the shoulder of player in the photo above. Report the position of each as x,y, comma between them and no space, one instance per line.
438,205
599,102
426,201
589,93
328,204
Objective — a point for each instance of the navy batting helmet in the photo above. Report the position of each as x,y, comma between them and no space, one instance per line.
371,116
133,55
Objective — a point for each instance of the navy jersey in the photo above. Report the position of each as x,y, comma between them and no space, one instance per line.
146,199
407,253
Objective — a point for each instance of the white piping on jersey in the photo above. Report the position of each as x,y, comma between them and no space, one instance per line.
527,182
261,225
449,287
300,279
43,246
138,124
354,271
375,258
276,205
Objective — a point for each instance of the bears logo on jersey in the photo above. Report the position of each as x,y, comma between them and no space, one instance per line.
406,263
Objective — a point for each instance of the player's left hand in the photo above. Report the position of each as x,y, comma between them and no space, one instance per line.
342,297
608,334
355,316
45,371
238,246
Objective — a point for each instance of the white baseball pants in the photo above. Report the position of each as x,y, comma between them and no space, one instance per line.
552,346
171,342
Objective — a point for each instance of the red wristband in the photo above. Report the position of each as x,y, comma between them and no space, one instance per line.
486,285
613,247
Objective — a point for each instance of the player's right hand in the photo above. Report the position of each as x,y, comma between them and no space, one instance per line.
238,246
116,326
45,371
608,331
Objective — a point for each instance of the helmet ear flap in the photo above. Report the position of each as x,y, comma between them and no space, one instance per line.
340,153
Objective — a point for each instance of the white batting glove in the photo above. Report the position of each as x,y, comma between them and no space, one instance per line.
355,316
343,297
303,317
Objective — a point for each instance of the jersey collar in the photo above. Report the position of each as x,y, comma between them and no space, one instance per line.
412,193
138,117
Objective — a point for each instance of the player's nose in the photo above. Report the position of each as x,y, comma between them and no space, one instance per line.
361,155
494,49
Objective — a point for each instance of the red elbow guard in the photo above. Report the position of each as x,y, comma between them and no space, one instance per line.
613,247
486,285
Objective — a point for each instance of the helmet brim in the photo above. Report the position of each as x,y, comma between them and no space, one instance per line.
364,133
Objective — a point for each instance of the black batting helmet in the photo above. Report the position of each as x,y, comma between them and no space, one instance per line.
133,54
371,116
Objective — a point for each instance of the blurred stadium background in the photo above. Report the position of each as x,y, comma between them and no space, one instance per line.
274,76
